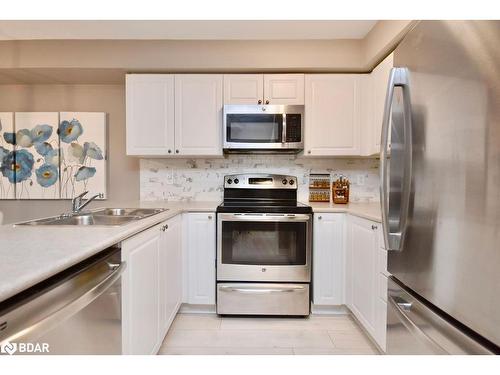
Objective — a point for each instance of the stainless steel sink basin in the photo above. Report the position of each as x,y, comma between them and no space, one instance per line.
103,216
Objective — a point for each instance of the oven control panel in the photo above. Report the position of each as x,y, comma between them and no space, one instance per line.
260,181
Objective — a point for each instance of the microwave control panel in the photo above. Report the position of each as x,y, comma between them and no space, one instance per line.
293,128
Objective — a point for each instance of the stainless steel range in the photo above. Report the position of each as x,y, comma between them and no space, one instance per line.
263,247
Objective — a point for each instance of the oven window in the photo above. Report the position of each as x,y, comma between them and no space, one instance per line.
261,128
262,243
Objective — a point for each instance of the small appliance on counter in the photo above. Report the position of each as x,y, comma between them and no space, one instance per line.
319,187
340,190
264,240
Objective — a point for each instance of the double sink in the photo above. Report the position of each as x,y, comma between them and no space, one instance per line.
103,216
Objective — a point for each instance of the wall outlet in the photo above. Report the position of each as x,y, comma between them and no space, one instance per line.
360,179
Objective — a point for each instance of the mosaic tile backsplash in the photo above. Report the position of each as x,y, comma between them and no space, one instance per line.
202,179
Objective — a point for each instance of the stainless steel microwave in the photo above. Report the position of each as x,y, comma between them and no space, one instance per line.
263,128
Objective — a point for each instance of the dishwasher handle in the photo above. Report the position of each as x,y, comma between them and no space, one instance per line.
44,324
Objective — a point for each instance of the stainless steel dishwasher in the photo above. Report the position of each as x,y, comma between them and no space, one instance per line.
77,311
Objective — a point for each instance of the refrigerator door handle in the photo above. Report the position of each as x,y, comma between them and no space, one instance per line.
395,227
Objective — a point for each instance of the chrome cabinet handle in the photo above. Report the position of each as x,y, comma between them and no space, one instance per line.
169,151
374,227
320,217
308,151
176,151
164,228
394,233
209,217
259,102
267,101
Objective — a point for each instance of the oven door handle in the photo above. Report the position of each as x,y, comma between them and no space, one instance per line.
253,290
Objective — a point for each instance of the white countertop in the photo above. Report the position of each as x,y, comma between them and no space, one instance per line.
370,211
30,254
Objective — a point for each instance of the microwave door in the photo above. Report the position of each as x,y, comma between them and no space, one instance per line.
253,130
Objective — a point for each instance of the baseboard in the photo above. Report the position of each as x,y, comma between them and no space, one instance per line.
197,309
329,310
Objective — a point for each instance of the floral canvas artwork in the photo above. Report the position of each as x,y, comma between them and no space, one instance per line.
52,155
82,138
7,181
36,159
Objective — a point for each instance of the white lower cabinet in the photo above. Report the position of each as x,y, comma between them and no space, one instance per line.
170,270
363,270
328,259
151,286
200,247
141,292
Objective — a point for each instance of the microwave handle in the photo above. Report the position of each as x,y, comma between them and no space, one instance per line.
283,130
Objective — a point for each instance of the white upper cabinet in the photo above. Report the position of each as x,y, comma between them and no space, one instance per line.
243,88
328,259
198,114
332,115
284,89
150,114
377,87
279,89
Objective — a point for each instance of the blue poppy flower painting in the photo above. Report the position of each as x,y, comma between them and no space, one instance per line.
7,136
35,134
47,175
69,131
83,142
92,151
39,162
40,133
84,173
10,138
43,148
23,138
17,166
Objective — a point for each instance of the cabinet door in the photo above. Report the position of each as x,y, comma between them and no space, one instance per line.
243,88
140,292
362,265
328,259
284,89
379,78
198,114
332,126
150,114
170,270
200,238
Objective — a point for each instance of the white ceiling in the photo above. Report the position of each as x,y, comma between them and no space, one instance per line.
207,30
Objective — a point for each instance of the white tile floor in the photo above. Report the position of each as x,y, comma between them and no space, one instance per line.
211,334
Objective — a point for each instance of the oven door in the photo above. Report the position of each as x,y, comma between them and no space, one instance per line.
264,247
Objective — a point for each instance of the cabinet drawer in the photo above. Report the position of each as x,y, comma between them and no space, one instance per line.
262,299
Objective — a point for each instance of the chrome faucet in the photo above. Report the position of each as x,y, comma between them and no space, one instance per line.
77,204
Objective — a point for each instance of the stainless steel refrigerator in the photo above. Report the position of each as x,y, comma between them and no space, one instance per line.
440,189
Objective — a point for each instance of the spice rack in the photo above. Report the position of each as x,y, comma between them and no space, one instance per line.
340,190
319,187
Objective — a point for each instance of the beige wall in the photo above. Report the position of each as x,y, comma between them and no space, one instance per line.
123,171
